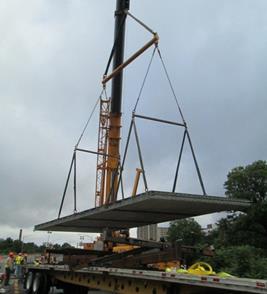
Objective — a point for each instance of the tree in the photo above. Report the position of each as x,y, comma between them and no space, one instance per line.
249,182
7,245
66,245
237,230
185,231
17,245
241,261
56,246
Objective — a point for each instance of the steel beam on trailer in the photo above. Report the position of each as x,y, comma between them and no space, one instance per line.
77,251
118,257
138,242
153,256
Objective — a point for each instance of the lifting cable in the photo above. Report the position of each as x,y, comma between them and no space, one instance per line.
151,59
90,116
171,86
143,83
156,48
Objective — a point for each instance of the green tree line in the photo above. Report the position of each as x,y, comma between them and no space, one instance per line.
239,239
9,245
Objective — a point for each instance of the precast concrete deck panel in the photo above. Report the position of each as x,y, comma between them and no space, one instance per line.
147,208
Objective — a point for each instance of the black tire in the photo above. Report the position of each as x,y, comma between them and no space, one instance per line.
29,282
24,280
38,284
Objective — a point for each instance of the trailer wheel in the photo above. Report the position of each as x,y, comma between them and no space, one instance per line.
24,280
29,282
38,283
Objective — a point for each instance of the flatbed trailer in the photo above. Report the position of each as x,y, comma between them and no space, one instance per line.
39,278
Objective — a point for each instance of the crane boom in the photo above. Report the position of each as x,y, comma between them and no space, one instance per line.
112,165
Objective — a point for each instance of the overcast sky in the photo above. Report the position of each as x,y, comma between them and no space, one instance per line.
52,57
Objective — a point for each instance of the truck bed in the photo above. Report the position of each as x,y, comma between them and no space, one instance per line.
121,280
